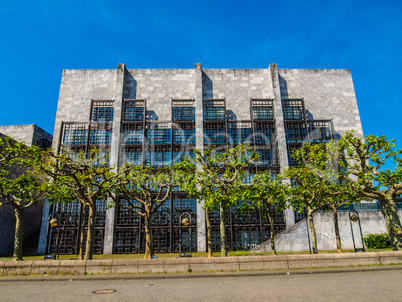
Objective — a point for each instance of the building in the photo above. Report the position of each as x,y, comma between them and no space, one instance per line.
30,135
155,116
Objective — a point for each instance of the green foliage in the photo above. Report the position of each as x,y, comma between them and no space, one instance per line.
365,160
318,178
137,184
377,241
78,176
19,186
217,177
22,188
266,191
17,153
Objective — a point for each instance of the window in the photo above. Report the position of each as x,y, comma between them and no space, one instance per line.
133,110
102,111
183,114
214,110
295,132
100,137
293,109
239,135
133,136
263,113
158,136
75,134
184,136
132,155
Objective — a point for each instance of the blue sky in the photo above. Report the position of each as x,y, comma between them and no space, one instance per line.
41,38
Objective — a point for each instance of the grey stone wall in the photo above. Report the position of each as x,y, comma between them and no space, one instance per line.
159,86
29,134
327,93
237,86
23,133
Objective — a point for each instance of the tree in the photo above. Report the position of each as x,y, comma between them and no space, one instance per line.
21,188
364,163
268,193
306,194
145,189
77,176
218,181
321,159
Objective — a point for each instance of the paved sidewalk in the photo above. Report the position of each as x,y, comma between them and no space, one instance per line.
354,285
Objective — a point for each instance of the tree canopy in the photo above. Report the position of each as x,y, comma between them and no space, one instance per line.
365,165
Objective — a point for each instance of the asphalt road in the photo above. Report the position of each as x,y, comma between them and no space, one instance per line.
347,286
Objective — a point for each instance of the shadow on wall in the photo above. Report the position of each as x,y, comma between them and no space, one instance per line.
207,87
231,116
309,115
284,87
130,86
152,116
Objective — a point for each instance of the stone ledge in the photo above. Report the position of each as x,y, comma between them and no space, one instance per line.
181,265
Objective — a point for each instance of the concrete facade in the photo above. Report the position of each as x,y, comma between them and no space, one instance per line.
30,135
297,239
328,94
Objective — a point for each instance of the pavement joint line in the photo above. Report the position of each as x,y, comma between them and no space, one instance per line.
224,274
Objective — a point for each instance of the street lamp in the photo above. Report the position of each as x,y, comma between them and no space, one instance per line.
355,218
52,221
186,221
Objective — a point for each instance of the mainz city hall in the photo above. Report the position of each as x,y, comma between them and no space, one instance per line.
157,116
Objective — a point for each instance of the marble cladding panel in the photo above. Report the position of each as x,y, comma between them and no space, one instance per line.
23,133
159,86
237,86
328,94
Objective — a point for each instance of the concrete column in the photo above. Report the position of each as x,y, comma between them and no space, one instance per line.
43,227
280,134
114,153
199,144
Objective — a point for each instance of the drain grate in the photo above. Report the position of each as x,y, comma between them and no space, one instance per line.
104,291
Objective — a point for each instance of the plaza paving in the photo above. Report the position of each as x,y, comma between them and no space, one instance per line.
377,283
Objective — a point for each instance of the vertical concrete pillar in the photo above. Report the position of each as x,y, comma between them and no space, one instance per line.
280,134
43,227
115,153
199,144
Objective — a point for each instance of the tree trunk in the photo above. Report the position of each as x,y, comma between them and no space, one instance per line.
82,235
91,232
222,217
312,228
392,222
337,234
272,230
19,234
149,243
209,234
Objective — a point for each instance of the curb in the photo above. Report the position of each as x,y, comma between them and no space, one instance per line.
198,265
256,273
